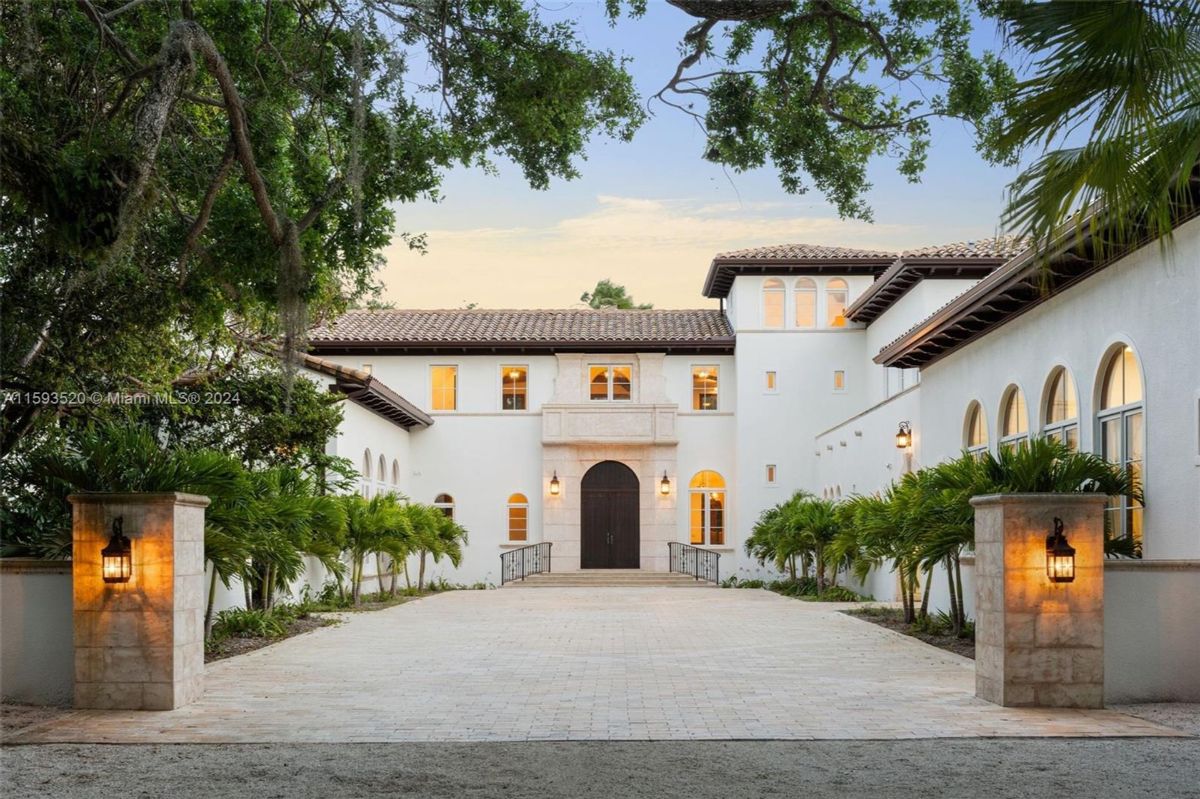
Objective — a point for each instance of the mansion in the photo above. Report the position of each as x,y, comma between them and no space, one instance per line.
611,433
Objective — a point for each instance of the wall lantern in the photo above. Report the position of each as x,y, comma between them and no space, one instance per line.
116,559
664,487
904,436
555,486
1060,556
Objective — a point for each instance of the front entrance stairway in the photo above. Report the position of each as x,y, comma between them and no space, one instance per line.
609,578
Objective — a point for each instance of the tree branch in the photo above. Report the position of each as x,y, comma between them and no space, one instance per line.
206,206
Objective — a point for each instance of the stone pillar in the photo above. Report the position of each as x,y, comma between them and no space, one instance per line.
139,645
1038,643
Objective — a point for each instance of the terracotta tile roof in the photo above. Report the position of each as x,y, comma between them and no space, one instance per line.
548,329
790,252
362,388
998,247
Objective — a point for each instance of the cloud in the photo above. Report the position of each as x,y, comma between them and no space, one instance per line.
659,248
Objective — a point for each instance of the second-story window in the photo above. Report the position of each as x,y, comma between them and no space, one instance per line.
513,387
444,380
704,388
610,382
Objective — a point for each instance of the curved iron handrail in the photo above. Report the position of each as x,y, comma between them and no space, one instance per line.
519,563
703,564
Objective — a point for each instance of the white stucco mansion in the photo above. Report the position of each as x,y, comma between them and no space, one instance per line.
799,379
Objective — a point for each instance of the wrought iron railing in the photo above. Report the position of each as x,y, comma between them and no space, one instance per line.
517,564
703,564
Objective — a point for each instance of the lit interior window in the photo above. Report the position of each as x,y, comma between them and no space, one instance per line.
445,388
704,388
513,387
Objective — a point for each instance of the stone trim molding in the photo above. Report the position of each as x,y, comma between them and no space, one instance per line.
34,566
1140,565
153,498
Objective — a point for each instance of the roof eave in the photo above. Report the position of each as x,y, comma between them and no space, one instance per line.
716,346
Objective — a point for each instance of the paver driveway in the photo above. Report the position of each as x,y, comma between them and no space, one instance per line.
580,663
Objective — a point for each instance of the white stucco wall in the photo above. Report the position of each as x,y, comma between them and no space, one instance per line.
37,656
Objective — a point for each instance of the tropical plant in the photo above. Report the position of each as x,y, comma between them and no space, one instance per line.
436,536
800,529
1113,105
378,524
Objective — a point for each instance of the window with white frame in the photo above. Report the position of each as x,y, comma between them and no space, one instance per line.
1061,409
610,382
1121,422
1014,418
518,517
364,481
806,302
706,496
395,473
839,380
444,388
444,503
836,294
774,302
975,431
704,387
771,382
514,381
381,486
772,474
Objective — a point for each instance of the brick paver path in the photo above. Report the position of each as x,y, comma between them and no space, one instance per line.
579,663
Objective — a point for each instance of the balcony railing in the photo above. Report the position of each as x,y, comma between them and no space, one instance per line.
517,564
703,564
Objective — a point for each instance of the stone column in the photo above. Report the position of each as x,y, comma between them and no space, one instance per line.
139,645
1038,643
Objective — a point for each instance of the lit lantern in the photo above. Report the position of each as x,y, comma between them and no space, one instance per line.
116,559
555,486
904,436
1060,556
664,487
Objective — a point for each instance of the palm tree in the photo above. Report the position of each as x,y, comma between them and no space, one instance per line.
1126,75
372,525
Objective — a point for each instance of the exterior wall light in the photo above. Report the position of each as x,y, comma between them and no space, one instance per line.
116,559
904,436
664,487
1060,556
555,486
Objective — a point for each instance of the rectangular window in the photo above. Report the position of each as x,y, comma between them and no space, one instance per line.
772,383
513,387
704,388
518,522
444,380
839,380
806,308
770,474
610,382
708,517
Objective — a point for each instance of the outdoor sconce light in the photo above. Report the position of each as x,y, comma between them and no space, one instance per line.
555,486
116,559
904,436
664,487
1060,556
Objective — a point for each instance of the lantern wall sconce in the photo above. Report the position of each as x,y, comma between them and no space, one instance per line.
1060,556
904,436
116,559
664,487
555,486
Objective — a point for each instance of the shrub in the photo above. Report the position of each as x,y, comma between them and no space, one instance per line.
734,582
242,623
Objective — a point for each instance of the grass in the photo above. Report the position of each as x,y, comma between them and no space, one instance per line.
804,588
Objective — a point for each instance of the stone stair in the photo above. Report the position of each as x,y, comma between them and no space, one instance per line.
609,578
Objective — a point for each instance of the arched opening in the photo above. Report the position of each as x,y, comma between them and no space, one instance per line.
364,483
706,502
1060,409
806,302
1121,432
1014,418
975,432
518,517
444,503
609,531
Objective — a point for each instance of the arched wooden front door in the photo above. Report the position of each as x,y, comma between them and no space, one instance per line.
608,525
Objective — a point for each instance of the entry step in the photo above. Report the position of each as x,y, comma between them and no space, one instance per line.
609,578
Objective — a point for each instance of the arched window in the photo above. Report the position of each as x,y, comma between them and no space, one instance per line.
1121,422
975,433
806,302
364,484
773,302
518,517
395,473
707,501
381,476
1014,418
444,503
835,302
1061,409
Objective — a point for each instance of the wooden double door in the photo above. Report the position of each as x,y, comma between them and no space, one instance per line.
609,534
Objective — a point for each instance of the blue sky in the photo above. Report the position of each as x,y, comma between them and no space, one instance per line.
651,213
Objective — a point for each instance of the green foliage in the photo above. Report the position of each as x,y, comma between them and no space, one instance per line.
734,582
1111,111
243,623
607,294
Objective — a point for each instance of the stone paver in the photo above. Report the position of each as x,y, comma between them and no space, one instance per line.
591,664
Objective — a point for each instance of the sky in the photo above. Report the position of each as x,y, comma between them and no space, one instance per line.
650,214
